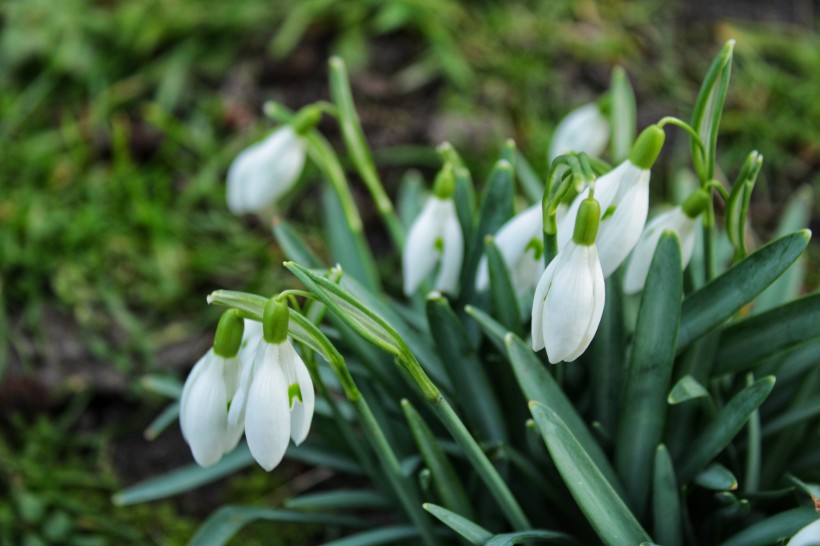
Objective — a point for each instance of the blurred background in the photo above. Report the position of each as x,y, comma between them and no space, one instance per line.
118,121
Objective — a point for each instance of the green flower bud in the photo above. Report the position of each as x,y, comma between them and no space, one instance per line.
647,147
275,321
445,185
696,203
229,334
586,224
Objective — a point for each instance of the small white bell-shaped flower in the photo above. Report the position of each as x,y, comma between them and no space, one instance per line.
435,236
263,172
208,390
569,298
275,398
683,220
585,129
624,197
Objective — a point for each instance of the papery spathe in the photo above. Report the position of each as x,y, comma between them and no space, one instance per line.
434,237
265,171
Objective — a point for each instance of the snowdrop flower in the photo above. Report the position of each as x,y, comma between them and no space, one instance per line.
569,298
275,399
624,197
435,236
682,220
807,536
265,171
585,129
208,390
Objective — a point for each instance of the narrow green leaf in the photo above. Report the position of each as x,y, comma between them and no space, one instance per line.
708,109
465,202
773,529
687,388
666,514
707,308
643,409
223,524
494,331
376,537
604,509
293,245
532,184
538,385
496,208
162,421
170,387
788,286
445,480
339,499
411,197
622,115
472,533
737,206
532,536
607,358
749,341
728,422
793,416
717,478
347,247
465,369
318,456
505,300
184,479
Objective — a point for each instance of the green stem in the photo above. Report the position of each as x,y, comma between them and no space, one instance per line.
359,150
752,479
671,120
709,241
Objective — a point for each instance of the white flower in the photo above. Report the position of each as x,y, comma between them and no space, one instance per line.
251,339
675,220
585,129
624,197
203,409
518,241
568,303
265,171
807,536
275,400
435,236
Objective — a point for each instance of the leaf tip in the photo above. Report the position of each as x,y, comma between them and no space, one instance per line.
509,339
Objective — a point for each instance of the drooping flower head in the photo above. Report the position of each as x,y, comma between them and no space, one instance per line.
262,173
569,298
207,393
683,220
275,399
585,129
624,197
435,237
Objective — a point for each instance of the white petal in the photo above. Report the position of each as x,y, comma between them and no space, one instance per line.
205,419
541,292
420,253
618,234
807,536
267,415
301,414
240,397
250,341
570,303
265,171
452,253
512,240
599,298
184,398
687,231
584,129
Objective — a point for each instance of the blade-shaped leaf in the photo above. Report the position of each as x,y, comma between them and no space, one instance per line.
707,308
604,509
643,409
749,341
293,245
472,533
717,477
532,184
376,537
725,426
223,524
338,499
607,358
687,388
666,514
162,421
773,529
622,114
505,301
533,536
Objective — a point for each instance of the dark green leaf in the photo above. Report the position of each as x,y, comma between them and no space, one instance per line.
339,499
716,477
666,514
687,388
774,529
293,245
505,301
376,537
472,533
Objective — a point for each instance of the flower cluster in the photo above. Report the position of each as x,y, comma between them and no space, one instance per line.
251,381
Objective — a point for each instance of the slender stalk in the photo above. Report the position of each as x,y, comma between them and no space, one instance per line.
359,150
752,478
709,241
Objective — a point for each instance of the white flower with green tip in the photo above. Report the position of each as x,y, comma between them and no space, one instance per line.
585,129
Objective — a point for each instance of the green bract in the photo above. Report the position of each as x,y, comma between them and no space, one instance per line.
692,418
